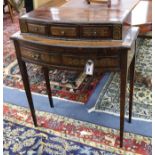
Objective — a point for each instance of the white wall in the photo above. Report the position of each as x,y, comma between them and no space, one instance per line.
38,3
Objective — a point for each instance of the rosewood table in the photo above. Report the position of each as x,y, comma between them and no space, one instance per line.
66,34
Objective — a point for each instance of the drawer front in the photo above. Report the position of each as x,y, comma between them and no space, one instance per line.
66,58
40,57
80,61
36,28
97,32
64,31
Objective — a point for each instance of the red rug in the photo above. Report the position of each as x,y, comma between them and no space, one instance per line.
77,87
96,136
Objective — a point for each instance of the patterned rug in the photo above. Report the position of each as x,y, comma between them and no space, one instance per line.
19,139
108,100
60,135
70,85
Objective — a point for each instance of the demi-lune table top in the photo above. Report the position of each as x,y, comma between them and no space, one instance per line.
79,11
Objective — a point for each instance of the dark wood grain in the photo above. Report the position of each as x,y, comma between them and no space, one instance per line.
46,75
67,57
132,73
80,43
64,31
123,83
37,28
80,11
24,74
78,19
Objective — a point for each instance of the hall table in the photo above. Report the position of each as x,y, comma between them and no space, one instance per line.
66,34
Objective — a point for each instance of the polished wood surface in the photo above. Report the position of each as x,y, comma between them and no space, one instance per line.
132,75
78,19
126,42
123,84
96,31
73,11
46,74
66,34
25,78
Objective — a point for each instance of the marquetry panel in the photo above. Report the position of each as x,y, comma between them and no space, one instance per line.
37,28
41,57
117,32
97,32
80,61
23,26
64,31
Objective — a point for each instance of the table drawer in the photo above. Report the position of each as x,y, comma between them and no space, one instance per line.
97,32
80,61
65,59
64,31
40,56
37,28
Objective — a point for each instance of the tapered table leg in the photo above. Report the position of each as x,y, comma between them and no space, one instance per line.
46,74
132,73
24,74
123,83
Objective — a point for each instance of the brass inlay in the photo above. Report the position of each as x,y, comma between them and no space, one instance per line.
34,28
23,26
117,32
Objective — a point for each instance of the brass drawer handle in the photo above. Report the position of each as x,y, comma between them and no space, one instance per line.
62,32
35,56
36,29
95,33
